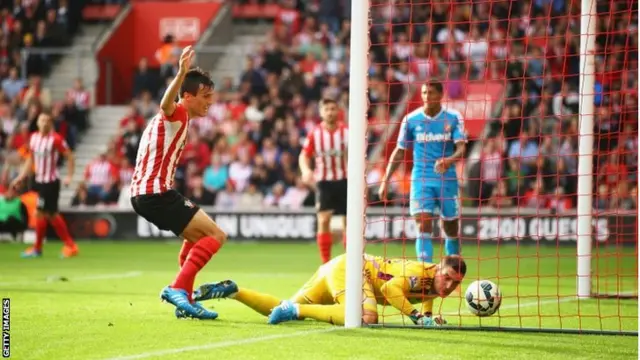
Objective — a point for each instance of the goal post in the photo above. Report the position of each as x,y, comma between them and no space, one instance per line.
588,18
356,161
561,268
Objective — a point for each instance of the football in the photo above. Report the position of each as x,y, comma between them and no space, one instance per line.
483,298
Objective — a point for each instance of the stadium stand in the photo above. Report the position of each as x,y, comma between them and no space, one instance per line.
245,151
530,157
34,24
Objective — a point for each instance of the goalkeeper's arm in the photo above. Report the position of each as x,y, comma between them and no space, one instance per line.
394,292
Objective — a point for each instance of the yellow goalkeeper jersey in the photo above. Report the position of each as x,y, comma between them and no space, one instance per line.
401,282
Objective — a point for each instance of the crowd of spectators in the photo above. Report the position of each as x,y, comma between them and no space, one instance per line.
24,25
244,153
529,158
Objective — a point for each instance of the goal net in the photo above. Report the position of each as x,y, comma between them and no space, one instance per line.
548,187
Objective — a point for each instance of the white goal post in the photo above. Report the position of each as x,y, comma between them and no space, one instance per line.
357,159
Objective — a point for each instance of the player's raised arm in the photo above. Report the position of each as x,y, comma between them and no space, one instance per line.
168,103
396,157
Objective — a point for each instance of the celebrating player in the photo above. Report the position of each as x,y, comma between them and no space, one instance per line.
438,139
327,143
396,282
152,195
42,153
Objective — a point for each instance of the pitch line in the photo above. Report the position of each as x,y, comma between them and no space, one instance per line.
53,279
224,344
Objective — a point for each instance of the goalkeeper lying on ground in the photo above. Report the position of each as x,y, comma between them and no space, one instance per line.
396,282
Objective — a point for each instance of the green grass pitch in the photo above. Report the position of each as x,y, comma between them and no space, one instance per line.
104,305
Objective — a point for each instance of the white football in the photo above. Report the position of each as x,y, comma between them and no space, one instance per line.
483,298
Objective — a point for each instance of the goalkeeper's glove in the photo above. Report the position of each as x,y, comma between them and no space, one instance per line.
426,319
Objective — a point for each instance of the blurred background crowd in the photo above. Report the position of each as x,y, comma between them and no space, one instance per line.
245,151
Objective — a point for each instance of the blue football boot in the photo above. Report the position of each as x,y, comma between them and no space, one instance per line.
210,315
286,311
221,290
180,299
31,253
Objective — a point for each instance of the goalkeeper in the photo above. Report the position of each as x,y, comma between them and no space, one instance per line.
438,139
396,282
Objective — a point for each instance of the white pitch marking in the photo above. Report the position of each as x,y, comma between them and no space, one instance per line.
129,274
224,344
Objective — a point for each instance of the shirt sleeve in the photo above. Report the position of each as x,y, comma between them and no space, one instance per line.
179,114
309,144
427,307
404,136
458,133
61,145
394,292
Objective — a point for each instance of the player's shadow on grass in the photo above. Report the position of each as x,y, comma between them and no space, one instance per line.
510,340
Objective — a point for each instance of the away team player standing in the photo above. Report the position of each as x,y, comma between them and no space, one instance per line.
438,139
43,152
152,195
327,144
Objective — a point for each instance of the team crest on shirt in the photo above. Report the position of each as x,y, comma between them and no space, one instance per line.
447,127
188,204
413,282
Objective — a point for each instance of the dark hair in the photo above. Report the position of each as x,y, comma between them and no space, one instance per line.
457,263
192,81
46,112
327,101
435,84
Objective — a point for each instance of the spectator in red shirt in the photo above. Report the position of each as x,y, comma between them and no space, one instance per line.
613,172
133,116
288,18
534,197
559,202
197,152
19,139
101,177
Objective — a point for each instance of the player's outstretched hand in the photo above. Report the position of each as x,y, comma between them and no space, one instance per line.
428,321
186,58
439,320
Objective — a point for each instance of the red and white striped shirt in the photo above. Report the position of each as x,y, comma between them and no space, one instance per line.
159,151
81,98
100,172
46,150
329,147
